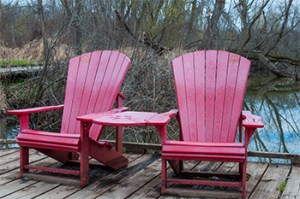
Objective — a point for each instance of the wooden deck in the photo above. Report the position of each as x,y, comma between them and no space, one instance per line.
140,180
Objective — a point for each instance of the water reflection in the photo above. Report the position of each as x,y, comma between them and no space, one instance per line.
277,101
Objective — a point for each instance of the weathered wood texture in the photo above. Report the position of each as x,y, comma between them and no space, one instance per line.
142,180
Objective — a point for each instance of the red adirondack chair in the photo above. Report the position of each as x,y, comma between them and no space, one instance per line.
210,87
93,84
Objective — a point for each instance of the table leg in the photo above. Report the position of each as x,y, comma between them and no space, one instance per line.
119,139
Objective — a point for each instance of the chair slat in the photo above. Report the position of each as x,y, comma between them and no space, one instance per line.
220,94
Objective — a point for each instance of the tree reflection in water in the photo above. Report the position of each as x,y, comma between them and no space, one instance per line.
277,101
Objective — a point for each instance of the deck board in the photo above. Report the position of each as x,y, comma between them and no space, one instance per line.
255,171
141,179
135,182
292,189
268,187
103,184
32,191
5,152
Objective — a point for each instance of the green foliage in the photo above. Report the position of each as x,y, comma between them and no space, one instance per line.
4,63
282,186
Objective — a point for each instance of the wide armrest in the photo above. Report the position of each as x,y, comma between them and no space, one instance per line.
251,121
162,118
34,110
171,113
90,117
159,119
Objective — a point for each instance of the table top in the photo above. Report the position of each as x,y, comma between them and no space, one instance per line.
132,118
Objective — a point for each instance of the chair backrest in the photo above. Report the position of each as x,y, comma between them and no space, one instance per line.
93,82
210,87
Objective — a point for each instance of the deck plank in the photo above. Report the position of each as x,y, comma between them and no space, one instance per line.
15,163
9,157
91,191
268,187
256,171
142,179
292,189
32,191
14,186
133,183
14,174
153,189
29,191
5,152
64,191
14,156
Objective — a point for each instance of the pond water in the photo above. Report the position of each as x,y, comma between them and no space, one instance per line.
277,101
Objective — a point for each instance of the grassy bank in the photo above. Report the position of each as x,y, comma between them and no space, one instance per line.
5,63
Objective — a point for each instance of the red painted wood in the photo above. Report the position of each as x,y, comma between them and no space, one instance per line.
93,84
210,87
159,119
70,90
48,139
240,89
53,146
203,157
24,159
181,95
200,94
204,182
251,121
203,150
94,80
232,71
90,117
189,78
220,94
103,153
34,110
127,118
210,94
204,144
53,135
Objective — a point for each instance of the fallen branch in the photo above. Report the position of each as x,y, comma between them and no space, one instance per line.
281,70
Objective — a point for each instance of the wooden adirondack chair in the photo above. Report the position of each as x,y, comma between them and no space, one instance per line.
93,84
210,87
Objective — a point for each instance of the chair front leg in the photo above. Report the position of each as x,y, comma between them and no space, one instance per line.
163,175
24,159
84,153
244,179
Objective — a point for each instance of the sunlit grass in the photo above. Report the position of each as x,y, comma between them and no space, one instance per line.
5,63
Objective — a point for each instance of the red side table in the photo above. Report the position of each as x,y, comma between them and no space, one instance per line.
132,118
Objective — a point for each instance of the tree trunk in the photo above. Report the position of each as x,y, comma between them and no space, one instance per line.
40,12
212,29
40,9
